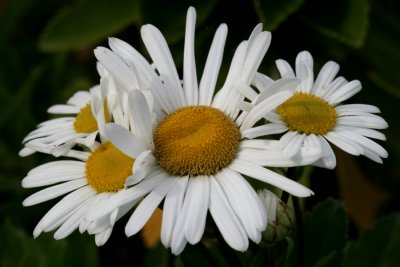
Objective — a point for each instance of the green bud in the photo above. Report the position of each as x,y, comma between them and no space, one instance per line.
281,219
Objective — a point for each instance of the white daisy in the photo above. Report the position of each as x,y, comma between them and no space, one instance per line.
89,181
86,109
314,114
192,155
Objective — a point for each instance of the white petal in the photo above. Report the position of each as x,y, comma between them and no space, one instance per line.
261,81
54,172
226,219
80,99
291,143
124,140
197,198
67,204
365,142
257,47
162,58
101,238
325,77
270,177
344,144
276,158
212,66
146,208
345,92
129,196
365,121
141,115
263,108
54,191
267,129
356,109
72,223
328,158
245,202
363,131
190,86
285,69
286,84
63,109
304,71
148,75
172,207
143,165
122,73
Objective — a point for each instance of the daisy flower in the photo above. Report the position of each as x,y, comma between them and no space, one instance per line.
189,149
85,111
314,114
89,179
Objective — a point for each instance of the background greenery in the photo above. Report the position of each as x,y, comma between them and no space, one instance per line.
46,55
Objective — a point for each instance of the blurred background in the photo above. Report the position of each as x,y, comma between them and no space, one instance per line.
46,54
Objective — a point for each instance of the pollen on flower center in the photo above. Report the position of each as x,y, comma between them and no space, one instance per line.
85,121
307,113
107,168
195,140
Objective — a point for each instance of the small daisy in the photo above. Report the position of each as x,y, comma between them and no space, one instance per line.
58,136
189,149
314,114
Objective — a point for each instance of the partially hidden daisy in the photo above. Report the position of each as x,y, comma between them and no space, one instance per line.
92,175
189,149
79,125
315,114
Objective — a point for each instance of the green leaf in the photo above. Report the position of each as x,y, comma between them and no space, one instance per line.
20,249
378,246
325,233
343,20
86,24
273,12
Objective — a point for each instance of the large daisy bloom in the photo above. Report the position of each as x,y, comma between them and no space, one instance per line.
89,179
189,149
315,114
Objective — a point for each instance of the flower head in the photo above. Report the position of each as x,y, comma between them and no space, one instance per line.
314,114
188,144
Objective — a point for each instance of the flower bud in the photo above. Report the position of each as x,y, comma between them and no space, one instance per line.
281,219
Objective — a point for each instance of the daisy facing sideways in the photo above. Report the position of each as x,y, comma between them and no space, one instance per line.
189,151
314,114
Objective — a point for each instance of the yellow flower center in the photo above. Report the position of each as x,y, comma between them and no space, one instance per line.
85,121
195,140
309,114
107,168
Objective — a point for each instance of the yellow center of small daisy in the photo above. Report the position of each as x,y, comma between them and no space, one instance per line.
85,121
307,113
107,168
195,140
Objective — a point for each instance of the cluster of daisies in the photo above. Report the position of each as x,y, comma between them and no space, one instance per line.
144,137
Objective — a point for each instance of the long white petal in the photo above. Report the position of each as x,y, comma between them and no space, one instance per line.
257,172
146,208
141,115
226,219
162,58
197,198
124,140
54,191
263,108
172,207
190,86
345,92
245,202
212,66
